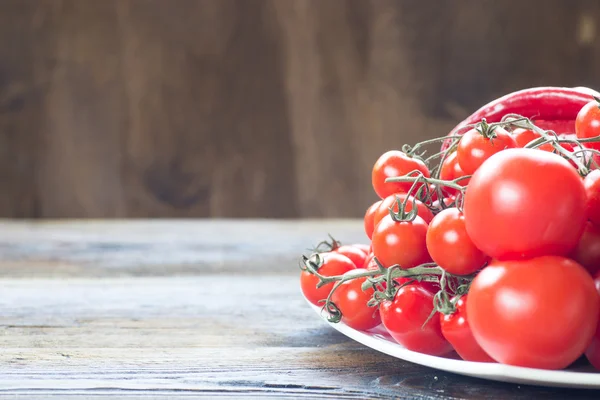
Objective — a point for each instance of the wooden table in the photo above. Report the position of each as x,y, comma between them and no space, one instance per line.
157,309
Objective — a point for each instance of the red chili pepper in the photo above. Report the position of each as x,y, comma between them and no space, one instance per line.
549,107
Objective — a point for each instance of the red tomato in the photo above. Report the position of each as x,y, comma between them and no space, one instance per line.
474,148
539,313
524,136
333,264
352,302
401,243
587,123
392,164
512,209
587,252
432,287
370,264
456,330
404,316
391,202
356,255
451,170
592,353
450,246
369,215
592,190
364,247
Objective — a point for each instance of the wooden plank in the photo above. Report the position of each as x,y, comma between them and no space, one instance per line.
183,335
165,247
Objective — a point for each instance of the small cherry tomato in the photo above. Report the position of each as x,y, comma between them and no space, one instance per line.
474,148
370,263
395,163
401,243
456,330
369,218
538,313
449,245
592,353
392,202
451,170
587,124
592,190
524,136
356,255
587,252
364,247
512,209
333,264
404,318
352,302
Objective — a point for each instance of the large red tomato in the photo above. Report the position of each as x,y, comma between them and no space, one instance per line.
352,302
456,329
392,164
404,318
401,243
450,246
539,313
524,203
333,264
474,148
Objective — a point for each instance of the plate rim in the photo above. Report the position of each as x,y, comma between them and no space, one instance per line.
491,371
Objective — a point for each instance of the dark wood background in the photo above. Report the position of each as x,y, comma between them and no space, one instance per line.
253,108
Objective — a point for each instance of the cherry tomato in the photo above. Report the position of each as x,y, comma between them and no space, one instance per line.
474,148
364,247
352,302
404,318
356,255
370,264
512,209
592,353
333,264
392,202
592,190
587,252
524,136
401,243
456,330
539,313
587,123
450,246
392,164
432,287
451,170
369,216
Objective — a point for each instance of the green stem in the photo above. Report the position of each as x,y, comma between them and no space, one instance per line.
451,184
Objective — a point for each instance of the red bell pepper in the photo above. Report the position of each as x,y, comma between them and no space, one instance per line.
548,107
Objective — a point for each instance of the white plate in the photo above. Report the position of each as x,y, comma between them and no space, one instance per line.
378,339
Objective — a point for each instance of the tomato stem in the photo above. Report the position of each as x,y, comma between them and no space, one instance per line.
408,178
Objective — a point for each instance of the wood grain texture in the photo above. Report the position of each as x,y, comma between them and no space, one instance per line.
92,308
255,108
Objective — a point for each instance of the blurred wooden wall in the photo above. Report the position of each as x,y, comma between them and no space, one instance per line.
253,108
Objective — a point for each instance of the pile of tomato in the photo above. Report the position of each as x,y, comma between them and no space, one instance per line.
489,247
